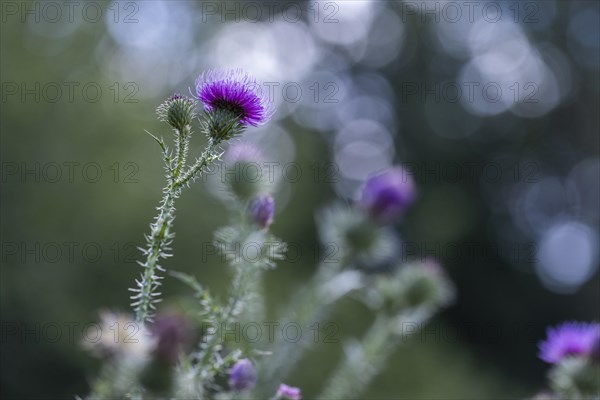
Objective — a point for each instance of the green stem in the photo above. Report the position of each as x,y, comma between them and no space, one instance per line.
309,307
205,159
157,246
182,138
160,235
363,362
238,292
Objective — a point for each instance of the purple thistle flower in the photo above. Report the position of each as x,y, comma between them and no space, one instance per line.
236,92
242,375
243,152
261,209
387,194
288,392
569,339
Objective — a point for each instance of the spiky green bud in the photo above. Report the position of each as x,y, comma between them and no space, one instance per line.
576,378
178,111
414,286
222,125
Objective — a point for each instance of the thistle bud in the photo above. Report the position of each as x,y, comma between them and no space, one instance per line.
261,209
355,235
178,111
242,375
575,378
426,284
285,392
388,194
416,286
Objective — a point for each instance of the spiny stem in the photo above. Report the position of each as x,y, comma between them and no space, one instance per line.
311,305
182,140
160,235
226,315
157,243
365,360
362,362
206,158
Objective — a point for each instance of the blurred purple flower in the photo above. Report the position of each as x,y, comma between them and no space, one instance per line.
243,152
242,375
569,339
172,333
387,194
288,392
261,209
234,91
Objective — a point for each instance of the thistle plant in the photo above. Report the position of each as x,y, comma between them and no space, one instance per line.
231,103
164,362
366,252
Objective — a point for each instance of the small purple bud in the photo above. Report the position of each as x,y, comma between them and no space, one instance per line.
261,209
172,333
288,392
242,375
388,194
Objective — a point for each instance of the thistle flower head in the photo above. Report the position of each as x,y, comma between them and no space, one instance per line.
234,92
261,209
286,392
178,111
387,194
242,375
569,339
